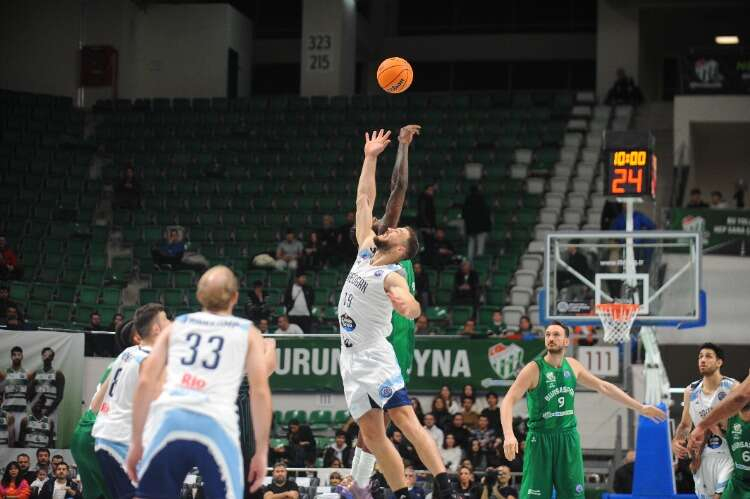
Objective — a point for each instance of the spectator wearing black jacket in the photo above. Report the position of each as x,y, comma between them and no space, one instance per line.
466,285
477,222
426,213
459,431
623,483
422,286
339,450
257,306
298,300
128,191
302,448
61,481
439,252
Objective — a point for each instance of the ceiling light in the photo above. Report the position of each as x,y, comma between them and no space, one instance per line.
727,39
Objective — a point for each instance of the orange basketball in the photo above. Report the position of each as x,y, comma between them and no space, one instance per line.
395,75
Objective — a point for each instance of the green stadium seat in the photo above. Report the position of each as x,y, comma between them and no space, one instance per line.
83,313
36,311
93,277
484,316
19,291
443,296
184,278
111,296
107,313
295,414
65,293
340,417
278,279
42,292
61,312
436,314
173,297
321,420
322,297
88,294
496,297
328,278
149,295
460,314
447,279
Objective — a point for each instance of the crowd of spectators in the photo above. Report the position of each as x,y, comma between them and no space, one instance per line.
50,478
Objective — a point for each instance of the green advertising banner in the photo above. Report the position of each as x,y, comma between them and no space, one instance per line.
723,230
490,364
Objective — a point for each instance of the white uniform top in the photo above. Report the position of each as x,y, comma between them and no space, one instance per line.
205,366
364,308
701,404
114,421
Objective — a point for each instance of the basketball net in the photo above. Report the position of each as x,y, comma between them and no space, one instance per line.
617,319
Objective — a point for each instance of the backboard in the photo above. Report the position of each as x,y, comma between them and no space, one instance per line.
659,270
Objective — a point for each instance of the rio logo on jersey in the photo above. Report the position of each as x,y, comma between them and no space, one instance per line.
347,323
192,382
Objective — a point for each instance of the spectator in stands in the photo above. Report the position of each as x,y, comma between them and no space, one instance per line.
623,482
459,431
479,403
484,434
422,286
117,321
739,194
624,91
576,290
439,252
451,453
525,329
347,248
471,418
469,330
288,252
170,251
426,213
492,412
450,403
435,432
466,285
13,319
40,478
476,215
301,449
696,199
497,326
415,492
257,306
13,484
9,266
495,454
56,459
286,327
417,406
263,326
128,191
440,413
496,484
280,487
24,462
610,210
5,301
95,321
340,450
328,240
717,201
312,253
298,300
422,325
404,447
476,455
464,488
53,489
42,458
335,463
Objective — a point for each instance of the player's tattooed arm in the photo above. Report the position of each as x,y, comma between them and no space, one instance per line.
403,301
366,188
683,429
399,177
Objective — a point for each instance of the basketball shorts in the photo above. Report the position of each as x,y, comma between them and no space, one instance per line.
553,460
713,474
371,376
736,489
111,456
179,440
82,449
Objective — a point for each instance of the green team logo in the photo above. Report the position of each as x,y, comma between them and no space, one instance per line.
550,376
506,361
737,428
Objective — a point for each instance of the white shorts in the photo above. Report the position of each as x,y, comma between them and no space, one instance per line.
370,373
713,475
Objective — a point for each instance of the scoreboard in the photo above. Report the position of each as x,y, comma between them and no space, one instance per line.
629,164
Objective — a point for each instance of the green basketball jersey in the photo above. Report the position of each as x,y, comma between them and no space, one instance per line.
402,336
738,438
551,402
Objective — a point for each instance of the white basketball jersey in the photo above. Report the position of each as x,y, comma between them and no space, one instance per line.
205,366
115,418
701,404
364,308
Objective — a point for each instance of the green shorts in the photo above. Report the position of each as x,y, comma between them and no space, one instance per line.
552,460
402,339
82,448
736,489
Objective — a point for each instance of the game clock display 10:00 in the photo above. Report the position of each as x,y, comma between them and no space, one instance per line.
629,173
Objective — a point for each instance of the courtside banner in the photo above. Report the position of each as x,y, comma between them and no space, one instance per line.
725,232
68,361
488,364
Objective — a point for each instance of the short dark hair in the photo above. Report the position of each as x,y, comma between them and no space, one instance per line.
144,317
695,191
340,433
258,283
124,335
565,327
713,346
46,349
289,230
42,449
279,464
467,398
491,394
23,454
58,455
95,312
294,422
412,244
16,349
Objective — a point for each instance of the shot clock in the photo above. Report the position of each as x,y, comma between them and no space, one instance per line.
629,164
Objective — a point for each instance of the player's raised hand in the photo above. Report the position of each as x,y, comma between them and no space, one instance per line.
407,133
654,413
257,471
377,142
131,462
510,447
695,441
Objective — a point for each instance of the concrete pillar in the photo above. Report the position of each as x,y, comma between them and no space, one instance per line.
617,35
328,47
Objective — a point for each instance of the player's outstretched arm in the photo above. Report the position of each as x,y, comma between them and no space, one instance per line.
615,393
403,301
738,398
260,404
399,177
366,188
525,381
98,398
149,385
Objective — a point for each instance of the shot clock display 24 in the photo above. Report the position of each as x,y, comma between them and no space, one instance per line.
630,165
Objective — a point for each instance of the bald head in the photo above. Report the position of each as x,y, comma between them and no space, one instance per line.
217,289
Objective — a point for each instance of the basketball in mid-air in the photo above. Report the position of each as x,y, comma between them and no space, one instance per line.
395,75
